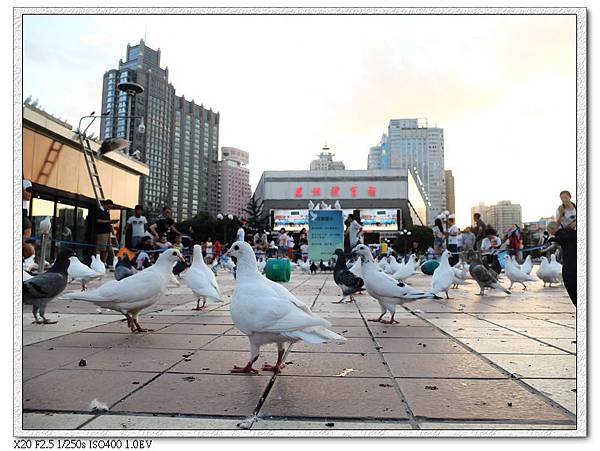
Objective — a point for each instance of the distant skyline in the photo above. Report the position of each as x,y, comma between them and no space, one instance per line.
502,87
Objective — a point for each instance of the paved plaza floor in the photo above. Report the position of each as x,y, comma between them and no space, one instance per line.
497,362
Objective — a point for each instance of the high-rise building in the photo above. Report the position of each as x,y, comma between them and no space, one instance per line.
234,181
502,216
183,161
450,198
195,170
325,162
415,146
379,155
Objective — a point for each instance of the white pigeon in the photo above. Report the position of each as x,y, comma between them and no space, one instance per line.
557,267
294,266
527,265
260,265
26,276
384,288
382,264
515,274
547,273
394,265
98,265
201,280
311,205
461,274
316,207
135,293
80,272
304,265
268,313
443,276
357,268
337,205
404,271
45,226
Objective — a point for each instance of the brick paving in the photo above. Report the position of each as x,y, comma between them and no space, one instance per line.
497,362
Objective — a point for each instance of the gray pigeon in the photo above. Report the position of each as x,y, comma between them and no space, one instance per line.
123,268
346,280
41,289
485,277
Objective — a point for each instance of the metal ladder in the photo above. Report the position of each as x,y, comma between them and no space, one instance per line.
90,162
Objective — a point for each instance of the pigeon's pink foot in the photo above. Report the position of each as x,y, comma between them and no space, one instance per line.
376,320
244,369
275,368
139,328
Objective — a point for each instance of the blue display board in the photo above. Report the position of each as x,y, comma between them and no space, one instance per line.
325,233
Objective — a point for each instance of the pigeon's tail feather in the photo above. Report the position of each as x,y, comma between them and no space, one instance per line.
316,335
497,286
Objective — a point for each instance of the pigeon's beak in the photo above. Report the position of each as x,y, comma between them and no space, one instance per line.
354,253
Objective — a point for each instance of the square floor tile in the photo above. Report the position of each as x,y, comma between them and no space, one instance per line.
532,365
159,422
440,365
132,359
509,346
73,390
420,345
341,397
198,394
397,331
48,357
201,318
351,345
86,340
334,365
221,362
561,391
168,341
53,421
195,329
475,399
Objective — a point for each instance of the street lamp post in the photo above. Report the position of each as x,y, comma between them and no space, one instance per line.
221,217
405,234
131,89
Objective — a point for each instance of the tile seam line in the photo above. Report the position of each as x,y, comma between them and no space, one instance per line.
551,403
271,383
523,334
414,424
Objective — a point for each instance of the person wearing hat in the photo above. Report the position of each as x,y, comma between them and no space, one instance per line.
28,248
452,240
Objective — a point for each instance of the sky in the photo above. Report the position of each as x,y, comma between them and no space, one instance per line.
501,87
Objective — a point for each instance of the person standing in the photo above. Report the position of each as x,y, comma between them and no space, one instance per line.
241,233
138,226
383,247
28,248
282,243
103,228
209,251
438,237
566,238
452,238
468,239
478,230
354,232
566,214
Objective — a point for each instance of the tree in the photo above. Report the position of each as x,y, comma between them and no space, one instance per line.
257,219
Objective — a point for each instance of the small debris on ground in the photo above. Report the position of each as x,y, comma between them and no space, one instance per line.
330,425
345,372
98,406
431,387
82,362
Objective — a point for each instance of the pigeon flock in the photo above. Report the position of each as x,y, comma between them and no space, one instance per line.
263,310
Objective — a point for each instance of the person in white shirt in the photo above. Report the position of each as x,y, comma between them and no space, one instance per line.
241,233
209,251
566,214
304,250
354,231
489,245
452,237
282,243
138,226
